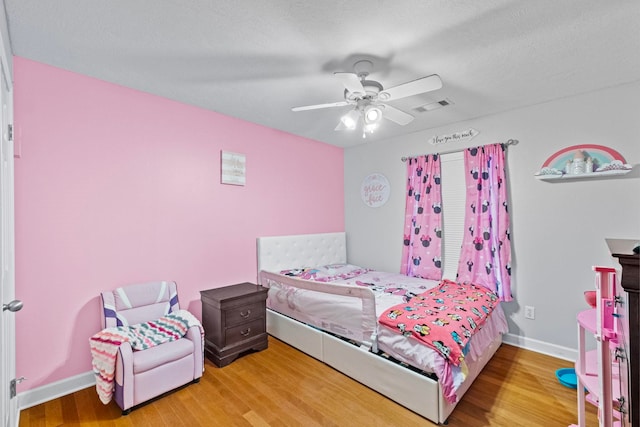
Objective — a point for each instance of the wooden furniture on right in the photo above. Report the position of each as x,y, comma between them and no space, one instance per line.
630,283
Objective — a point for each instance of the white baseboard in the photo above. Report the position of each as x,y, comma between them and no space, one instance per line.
560,352
56,389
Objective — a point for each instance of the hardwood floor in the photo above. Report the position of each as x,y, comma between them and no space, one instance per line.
281,386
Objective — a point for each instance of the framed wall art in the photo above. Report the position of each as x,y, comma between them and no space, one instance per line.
233,168
374,190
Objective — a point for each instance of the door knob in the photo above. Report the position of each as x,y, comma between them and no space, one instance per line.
15,305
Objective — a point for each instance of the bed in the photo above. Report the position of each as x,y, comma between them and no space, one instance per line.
337,323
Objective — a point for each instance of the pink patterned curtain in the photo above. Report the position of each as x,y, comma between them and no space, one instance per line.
421,253
485,258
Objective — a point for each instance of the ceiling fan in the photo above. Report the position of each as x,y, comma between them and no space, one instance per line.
368,98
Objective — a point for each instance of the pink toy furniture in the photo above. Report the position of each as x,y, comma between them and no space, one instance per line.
143,375
598,371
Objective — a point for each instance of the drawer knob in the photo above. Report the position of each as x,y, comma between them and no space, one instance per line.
246,332
245,314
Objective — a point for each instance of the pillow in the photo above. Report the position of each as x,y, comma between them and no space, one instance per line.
326,273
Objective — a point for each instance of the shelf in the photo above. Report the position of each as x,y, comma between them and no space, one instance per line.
591,363
585,158
587,319
592,384
592,175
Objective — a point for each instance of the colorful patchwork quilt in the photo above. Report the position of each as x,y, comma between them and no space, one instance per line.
444,318
105,344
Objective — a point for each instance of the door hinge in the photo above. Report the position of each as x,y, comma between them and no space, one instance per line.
10,132
12,386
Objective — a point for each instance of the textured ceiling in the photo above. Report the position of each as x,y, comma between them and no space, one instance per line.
255,59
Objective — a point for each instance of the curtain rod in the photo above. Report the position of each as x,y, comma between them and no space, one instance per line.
509,142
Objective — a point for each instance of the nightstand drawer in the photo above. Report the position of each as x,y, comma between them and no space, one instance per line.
243,314
244,332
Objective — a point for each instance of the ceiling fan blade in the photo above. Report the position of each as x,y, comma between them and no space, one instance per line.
351,82
395,115
318,106
421,85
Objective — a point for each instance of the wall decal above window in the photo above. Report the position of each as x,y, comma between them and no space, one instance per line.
466,135
375,190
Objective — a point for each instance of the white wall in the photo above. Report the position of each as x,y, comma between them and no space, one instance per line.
558,228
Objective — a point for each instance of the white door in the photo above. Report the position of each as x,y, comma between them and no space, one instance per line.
9,403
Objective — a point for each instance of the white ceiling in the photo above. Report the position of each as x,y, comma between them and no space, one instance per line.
255,59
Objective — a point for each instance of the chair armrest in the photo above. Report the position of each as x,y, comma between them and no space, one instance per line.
124,362
195,336
124,373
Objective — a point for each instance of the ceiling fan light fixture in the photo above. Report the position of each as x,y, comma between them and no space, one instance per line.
372,114
350,120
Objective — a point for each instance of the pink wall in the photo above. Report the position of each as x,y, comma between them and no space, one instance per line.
115,186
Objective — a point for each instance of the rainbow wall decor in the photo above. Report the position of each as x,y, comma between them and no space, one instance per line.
580,160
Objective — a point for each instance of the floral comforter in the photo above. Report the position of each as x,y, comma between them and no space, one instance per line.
444,318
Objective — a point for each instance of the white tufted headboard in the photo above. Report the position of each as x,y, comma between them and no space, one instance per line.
278,253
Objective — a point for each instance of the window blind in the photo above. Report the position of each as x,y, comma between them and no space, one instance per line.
453,210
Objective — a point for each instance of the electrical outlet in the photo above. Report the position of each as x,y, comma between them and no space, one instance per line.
529,312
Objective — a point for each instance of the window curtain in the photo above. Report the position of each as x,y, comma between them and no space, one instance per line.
485,257
422,249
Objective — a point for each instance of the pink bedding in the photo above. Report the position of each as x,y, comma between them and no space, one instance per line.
444,318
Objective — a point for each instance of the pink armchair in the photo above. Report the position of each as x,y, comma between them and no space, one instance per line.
143,375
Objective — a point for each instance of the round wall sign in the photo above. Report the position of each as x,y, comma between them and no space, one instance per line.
375,190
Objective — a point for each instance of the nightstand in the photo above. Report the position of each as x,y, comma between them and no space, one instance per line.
234,321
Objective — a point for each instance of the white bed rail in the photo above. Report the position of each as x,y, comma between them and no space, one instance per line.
365,295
